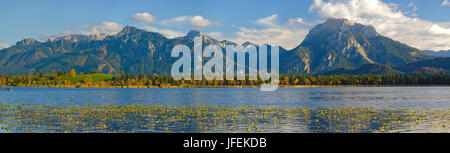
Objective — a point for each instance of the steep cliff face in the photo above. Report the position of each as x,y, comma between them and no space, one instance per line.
339,44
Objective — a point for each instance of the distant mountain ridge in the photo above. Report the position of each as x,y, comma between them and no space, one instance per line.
436,65
445,53
335,44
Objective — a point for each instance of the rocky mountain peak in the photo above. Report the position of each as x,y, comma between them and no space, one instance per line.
28,41
247,43
366,30
338,28
337,22
226,42
128,30
343,26
78,38
195,33
338,43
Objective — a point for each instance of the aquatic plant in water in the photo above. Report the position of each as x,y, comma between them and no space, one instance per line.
216,118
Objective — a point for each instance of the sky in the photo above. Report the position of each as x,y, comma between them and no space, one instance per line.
424,24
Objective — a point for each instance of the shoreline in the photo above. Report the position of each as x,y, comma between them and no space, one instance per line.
280,86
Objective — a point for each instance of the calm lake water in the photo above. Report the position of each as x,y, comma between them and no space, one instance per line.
353,109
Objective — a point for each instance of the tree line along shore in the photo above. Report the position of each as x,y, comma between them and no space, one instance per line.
93,80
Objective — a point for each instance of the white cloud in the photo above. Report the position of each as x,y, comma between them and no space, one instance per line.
110,26
197,21
166,32
4,45
413,9
174,21
218,23
288,35
445,3
215,35
388,21
436,29
65,33
413,6
180,18
293,21
200,21
282,36
105,27
144,16
268,21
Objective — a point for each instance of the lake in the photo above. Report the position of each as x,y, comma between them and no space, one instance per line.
346,109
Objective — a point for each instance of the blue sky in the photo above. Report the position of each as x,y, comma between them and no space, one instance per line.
283,22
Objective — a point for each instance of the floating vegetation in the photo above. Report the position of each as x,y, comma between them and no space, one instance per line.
216,118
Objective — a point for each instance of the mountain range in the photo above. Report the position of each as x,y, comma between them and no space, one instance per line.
444,53
335,45
436,65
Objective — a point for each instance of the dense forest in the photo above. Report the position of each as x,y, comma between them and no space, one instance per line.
72,79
